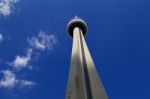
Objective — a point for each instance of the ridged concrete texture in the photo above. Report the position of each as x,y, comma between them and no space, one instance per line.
83,82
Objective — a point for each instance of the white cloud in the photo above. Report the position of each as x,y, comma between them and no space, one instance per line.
27,83
40,42
22,61
9,80
6,6
1,37
43,41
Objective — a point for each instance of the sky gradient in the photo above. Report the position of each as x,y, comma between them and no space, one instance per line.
35,49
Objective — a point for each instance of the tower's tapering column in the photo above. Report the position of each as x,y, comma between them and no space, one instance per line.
84,82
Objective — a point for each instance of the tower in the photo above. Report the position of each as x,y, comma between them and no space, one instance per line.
83,82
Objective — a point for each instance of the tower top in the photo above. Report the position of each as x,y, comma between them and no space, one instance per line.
76,22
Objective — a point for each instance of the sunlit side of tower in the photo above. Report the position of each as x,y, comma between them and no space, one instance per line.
83,82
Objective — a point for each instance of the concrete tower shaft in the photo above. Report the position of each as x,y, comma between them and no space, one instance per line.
83,82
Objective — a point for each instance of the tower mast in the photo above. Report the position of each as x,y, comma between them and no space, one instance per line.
83,82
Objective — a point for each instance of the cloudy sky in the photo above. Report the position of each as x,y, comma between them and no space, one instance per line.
35,49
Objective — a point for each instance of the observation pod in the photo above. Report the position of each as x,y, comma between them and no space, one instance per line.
77,22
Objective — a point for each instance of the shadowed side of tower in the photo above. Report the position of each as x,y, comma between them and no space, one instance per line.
83,82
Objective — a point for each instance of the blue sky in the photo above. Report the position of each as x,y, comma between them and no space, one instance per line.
35,49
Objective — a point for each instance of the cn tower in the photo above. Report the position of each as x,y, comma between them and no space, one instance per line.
83,82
